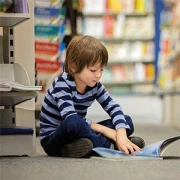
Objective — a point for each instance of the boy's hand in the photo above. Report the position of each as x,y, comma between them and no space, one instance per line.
124,144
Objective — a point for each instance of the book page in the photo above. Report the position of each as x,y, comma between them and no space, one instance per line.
115,154
167,143
7,85
155,150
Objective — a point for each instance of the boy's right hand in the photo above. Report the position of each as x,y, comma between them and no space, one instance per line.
124,144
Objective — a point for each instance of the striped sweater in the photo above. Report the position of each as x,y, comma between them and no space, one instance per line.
63,100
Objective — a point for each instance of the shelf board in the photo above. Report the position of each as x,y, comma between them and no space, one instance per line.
126,83
118,40
100,14
116,62
138,14
133,14
14,98
12,19
168,92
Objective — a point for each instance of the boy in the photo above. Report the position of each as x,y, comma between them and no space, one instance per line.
64,129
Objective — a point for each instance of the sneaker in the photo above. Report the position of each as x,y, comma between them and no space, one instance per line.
137,141
77,149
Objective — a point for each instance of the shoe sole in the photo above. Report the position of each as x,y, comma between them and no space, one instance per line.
138,141
77,149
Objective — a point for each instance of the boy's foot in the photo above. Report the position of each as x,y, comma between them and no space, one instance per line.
138,141
77,149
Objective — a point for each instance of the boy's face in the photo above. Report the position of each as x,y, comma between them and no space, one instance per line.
89,76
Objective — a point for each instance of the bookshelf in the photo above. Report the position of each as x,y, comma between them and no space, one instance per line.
169,60
169,54
127,29
49,23
17,123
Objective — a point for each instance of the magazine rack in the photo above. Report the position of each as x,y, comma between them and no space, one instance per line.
14,140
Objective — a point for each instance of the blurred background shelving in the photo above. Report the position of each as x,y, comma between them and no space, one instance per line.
142,39
169,54
127,29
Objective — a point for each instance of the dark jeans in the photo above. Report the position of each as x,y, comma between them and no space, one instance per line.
73,129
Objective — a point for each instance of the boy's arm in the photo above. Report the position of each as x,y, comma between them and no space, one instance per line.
111,107
108,132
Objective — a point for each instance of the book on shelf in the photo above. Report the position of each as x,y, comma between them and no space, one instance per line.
94,7
47,33
109,22
94,27
114,6
8,85
49,3
44,30
46,50
46,72
118,73
49,15
155,150
21,6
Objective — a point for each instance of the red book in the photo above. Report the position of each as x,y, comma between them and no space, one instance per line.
109,22
46,48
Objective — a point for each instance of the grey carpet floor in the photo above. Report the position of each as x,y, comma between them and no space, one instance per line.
51,168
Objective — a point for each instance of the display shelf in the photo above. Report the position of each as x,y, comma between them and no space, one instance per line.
12,76
14,98
12,19
127,61
127,29
169,60
129,83
118,40
169,54
133,14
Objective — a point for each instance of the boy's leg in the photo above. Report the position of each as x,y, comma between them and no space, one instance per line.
70,131
108,123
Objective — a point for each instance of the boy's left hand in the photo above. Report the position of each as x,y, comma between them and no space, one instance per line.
124,144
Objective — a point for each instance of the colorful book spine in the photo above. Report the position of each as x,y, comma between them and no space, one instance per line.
45,12
43,30
46,48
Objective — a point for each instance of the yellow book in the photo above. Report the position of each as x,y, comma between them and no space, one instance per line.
150,72
114,5
140,5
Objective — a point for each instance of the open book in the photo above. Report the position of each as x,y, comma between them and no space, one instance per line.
155,150
7,85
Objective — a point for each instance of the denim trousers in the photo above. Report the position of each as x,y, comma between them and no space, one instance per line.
74,129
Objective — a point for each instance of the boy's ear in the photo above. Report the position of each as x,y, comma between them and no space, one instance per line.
73,67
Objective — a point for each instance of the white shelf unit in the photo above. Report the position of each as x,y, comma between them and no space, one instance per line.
15,137
12,19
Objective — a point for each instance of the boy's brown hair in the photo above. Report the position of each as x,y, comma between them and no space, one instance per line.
84,51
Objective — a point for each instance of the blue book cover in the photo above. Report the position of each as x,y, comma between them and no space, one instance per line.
49,3
46,12
155,150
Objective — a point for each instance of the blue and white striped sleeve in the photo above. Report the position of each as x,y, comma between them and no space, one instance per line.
111,107
62,94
